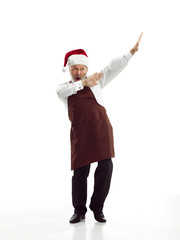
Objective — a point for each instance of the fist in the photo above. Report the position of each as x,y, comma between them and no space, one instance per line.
134,49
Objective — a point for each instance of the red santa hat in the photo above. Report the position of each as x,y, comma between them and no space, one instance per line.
75,57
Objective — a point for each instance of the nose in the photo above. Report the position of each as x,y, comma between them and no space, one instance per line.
78,71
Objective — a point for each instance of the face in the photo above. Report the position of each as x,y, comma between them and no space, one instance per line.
78,72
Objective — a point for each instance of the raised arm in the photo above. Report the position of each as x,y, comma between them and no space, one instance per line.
117,65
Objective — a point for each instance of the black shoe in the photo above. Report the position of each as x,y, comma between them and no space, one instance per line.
99,216
77,218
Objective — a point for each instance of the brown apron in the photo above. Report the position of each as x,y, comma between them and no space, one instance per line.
91,131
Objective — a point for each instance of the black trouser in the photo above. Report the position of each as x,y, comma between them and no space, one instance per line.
102,180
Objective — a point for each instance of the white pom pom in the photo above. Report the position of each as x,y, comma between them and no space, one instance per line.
64,69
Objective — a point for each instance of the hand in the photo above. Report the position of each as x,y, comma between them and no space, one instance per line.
92,80
135,48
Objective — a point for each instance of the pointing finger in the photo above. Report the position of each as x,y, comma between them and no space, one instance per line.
140,37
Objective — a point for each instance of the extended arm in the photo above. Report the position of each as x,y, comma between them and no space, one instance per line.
117,65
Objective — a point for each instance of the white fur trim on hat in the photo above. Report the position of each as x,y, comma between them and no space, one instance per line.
64,69
78,60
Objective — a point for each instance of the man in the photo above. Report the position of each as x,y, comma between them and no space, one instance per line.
91,130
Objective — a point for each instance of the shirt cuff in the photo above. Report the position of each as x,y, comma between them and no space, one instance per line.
128,56
78,85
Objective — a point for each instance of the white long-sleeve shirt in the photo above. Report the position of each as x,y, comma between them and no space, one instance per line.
116,65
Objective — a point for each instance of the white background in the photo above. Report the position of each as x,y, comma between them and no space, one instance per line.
142,102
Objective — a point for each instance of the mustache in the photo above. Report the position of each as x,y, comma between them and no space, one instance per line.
78,77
